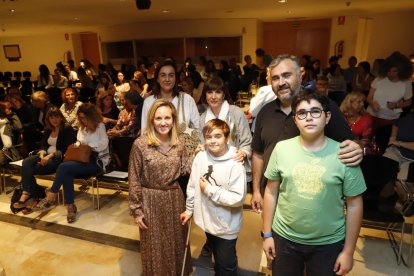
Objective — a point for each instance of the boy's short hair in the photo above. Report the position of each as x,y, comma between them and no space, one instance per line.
307,95
216,124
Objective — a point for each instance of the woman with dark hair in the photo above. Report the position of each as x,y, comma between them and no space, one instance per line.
92,133
363,78
166,88
150,76
44,79
86,85
336,84
211,70
107,106
389,94
70,106
56,138
139,84
220,105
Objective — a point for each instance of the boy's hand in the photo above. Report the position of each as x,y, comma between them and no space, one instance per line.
140,221
203,184
269,248
257,202
351,153
184,217
343,263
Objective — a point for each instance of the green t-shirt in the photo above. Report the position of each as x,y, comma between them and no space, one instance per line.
310,208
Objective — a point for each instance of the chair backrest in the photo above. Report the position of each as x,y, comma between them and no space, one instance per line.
27,74
8,75
17,75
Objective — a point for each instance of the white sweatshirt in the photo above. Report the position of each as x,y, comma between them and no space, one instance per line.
219,209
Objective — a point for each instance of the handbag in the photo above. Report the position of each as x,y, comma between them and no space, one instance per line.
81,153
189,135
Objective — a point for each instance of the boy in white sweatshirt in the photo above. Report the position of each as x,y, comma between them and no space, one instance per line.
215,195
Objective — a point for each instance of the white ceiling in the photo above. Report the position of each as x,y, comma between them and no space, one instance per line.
34,17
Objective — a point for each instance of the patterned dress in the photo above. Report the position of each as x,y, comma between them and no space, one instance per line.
154,192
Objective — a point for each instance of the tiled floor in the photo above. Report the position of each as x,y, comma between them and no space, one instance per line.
29,250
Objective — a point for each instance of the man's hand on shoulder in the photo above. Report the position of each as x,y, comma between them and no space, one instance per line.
351,153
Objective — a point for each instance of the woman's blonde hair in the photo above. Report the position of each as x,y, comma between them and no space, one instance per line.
93,115
40,96
150,132
347,102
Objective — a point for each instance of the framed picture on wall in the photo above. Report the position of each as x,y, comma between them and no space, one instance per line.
12,52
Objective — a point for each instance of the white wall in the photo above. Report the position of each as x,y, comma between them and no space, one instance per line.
391,32
374,36
36,50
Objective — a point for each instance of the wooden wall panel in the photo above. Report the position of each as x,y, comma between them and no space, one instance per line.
90,48
298,38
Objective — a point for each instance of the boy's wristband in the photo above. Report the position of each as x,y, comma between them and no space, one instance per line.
266,235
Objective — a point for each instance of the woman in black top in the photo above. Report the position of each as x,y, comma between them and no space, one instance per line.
56,139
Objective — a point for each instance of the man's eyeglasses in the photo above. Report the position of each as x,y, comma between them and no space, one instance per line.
314,112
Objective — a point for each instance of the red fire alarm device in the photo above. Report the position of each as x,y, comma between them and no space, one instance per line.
341,20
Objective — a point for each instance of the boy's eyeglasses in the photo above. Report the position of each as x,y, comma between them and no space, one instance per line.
314,112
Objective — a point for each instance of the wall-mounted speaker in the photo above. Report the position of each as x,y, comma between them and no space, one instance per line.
143,4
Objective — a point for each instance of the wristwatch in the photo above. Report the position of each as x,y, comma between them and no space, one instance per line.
266,235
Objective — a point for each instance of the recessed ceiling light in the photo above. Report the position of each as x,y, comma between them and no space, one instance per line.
165,11
75,18
282,1
12,10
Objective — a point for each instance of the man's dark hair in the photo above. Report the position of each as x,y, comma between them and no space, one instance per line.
308,95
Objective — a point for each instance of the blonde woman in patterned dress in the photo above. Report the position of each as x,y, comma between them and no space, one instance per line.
156,201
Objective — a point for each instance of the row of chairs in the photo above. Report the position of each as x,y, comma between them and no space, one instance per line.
8,76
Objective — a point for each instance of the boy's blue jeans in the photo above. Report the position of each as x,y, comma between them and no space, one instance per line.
65,175
224,252
293,258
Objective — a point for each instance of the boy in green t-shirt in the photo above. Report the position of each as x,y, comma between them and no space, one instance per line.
308,183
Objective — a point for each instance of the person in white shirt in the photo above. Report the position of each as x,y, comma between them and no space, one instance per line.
166,88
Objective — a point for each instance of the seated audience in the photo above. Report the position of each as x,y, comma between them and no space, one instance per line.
121,85
402,144
358,120
362,79
126,124
389,94
336,84
56,138
139,84
44,79
10,129
107,106
92,133
70,106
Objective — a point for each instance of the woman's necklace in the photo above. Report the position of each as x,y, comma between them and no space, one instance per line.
353,119
69,110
